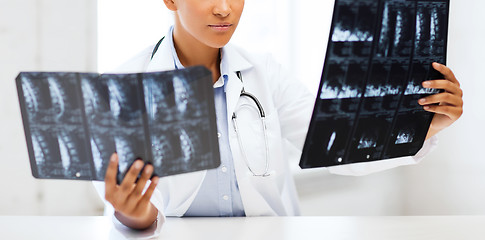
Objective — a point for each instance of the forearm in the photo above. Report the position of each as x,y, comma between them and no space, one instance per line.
139,223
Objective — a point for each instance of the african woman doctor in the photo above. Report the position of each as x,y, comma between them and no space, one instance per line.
200,36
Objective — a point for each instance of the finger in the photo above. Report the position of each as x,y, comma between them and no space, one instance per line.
140,185
136,194
452,112
446,71
131,176
446,85
442,98
110,176
149,192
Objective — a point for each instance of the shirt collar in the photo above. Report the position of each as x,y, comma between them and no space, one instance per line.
222,81
176,60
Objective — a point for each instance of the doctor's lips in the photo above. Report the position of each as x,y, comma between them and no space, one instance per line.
222,27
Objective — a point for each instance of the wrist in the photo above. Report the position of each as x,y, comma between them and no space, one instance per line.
431,132
139,222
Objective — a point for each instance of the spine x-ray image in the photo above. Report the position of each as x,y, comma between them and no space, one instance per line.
74,121
379,53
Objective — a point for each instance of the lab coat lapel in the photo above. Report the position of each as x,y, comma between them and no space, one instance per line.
235,63
233,90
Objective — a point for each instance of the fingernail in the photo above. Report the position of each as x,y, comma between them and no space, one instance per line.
155,181
426,108
138,164
422,100
148,170
426,84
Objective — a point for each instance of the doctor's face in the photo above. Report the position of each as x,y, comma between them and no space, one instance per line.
212,22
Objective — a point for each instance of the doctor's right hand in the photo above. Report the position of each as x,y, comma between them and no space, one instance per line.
132,206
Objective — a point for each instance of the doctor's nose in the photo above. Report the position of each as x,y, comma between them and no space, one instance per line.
222,8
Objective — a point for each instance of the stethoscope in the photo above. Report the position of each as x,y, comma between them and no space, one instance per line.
262,117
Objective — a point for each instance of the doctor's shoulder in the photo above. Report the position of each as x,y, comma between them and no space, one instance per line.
135,63
258,59
263,63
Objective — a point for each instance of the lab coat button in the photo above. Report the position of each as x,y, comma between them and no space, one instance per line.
219,135
225,197
224,169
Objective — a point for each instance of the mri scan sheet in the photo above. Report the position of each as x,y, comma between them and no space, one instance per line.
73,122
379,53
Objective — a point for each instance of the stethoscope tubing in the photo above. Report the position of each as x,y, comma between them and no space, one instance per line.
262,116
243,151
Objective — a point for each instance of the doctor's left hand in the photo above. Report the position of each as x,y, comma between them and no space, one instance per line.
449,103
132,207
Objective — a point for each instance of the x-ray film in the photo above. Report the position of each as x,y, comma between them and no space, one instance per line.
74,121
379,53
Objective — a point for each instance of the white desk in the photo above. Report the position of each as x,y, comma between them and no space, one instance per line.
334,228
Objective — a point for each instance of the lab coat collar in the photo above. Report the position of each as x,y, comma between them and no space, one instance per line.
162,60
234,60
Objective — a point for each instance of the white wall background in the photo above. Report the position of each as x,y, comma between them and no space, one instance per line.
40,35
452,181
62,35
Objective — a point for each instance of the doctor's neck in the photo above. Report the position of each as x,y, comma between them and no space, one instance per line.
192,52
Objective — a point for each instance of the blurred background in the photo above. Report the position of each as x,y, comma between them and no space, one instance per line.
96,36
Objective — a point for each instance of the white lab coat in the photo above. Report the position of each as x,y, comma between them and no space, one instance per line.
288,106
